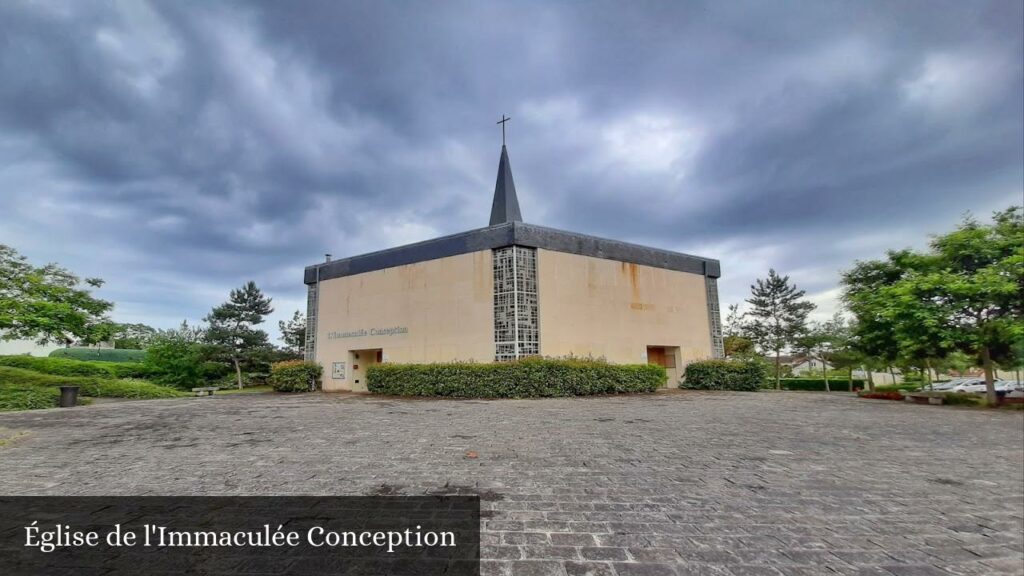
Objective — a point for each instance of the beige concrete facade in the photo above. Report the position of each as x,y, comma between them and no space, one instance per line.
593,306
444,305
443,310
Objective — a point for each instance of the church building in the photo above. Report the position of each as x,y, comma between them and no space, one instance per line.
507,291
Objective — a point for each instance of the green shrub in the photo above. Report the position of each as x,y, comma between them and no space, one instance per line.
521,379
294,375
818,384
743,375
214,371
90,385
963,399
249,380
129,388
26,397
100,354
70,367
59,366
173,360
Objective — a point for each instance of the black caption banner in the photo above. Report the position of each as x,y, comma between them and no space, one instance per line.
266,535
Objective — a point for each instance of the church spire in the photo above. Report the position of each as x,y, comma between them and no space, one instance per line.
505,207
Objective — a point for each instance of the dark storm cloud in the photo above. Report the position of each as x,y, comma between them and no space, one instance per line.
178,149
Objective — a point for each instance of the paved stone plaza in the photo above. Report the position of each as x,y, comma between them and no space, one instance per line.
677,483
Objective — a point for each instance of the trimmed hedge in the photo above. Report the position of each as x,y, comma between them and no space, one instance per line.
531,377
101,354
742,375
28,397
90,385
294,376
818,384
70,367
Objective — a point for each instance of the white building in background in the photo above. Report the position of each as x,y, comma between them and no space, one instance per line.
18,347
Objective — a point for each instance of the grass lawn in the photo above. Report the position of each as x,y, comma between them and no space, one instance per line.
22,389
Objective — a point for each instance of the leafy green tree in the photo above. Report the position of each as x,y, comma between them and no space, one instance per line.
133,336
825,342
738,347
175,357
777,316
232,328
963,292
981,285
736,341
956,361
293,333
48,303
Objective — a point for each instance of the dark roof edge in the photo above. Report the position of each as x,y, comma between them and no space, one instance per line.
513,233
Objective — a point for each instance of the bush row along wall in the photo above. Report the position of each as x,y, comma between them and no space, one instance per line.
818,384
743,375
69,367
294,376
521,379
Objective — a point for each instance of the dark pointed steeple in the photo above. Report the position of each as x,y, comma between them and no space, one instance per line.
505,207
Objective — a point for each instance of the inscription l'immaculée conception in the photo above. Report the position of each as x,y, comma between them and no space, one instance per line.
393,331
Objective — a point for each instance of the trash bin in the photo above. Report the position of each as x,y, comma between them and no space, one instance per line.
68,396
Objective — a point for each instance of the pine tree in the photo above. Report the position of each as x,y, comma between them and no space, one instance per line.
232,329
777,316
293,333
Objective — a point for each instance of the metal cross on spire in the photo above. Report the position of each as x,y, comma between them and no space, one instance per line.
502,122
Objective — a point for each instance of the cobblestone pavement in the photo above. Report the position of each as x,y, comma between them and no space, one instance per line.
677,483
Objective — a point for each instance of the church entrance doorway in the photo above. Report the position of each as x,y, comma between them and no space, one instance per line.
666,357
360,361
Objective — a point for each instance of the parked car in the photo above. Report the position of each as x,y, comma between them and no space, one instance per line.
977,386
943,386
970,385
1009,386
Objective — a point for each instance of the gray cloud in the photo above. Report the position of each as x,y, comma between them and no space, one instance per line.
178,149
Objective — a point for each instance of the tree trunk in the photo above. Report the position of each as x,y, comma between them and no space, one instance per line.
928,371
990,385
824,373
871,380
238,372
849,379
892,373
778,372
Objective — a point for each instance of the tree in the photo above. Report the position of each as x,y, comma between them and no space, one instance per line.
979,285
777,316
736,341
232,326
957,362
826,342
963,292
293,333
133,336
48,303
175,357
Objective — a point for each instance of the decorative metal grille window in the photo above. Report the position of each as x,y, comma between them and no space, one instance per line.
311,308
516,307
714,318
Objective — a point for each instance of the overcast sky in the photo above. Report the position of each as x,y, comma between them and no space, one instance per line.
178,149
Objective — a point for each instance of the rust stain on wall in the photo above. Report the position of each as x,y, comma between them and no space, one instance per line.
632,271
